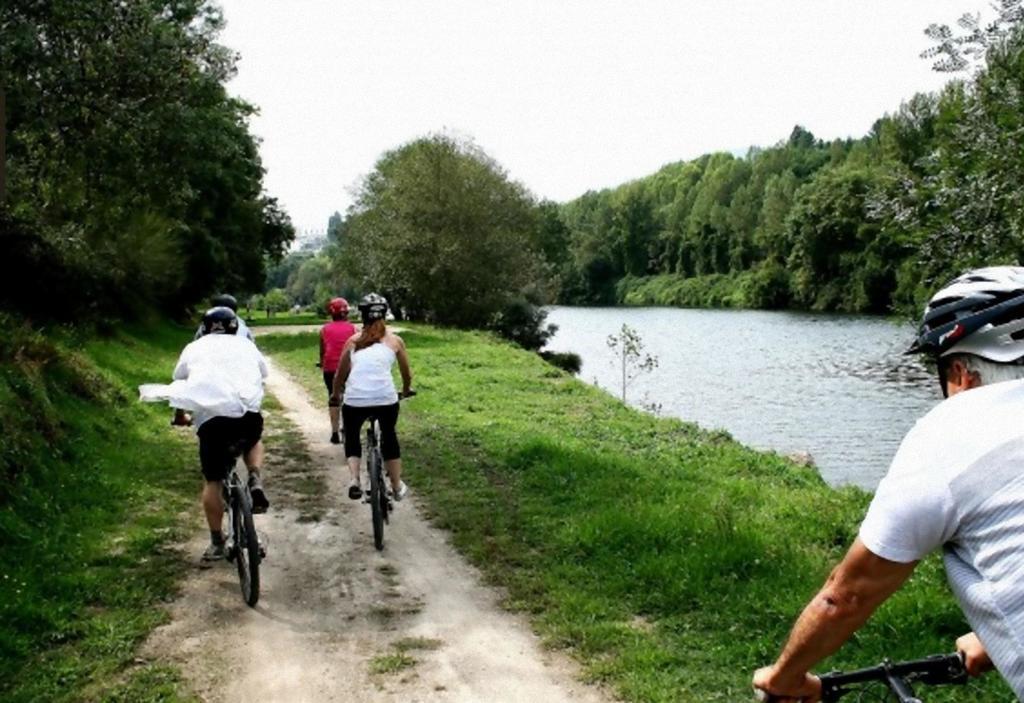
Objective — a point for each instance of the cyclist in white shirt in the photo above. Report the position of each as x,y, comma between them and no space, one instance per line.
956,482
219,377
364,371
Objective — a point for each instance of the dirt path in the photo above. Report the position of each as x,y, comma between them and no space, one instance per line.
339,621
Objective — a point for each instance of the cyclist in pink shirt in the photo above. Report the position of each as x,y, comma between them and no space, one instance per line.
333,337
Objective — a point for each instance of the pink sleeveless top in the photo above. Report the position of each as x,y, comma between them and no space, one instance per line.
334,336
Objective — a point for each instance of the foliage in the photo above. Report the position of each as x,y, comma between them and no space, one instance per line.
275,300
570,362
131,172
628,348
93,487
522,322
441,231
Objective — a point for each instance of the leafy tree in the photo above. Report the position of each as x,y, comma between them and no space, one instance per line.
440,229
630,358
275,300
128,161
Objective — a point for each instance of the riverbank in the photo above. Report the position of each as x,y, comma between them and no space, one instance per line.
670,561
94,493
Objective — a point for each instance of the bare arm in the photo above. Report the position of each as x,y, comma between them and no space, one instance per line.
344,368
855,588
403,365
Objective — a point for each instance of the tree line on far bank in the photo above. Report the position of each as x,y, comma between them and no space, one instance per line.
858,225
133,181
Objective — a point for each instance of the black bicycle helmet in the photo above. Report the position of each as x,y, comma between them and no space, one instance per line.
224,300
980,313
220,320
373,307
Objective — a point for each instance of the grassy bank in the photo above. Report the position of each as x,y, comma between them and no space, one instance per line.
669,560
94,491
765,287
260,319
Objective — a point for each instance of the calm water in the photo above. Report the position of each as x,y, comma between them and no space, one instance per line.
837,387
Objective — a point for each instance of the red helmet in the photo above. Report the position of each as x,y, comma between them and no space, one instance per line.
337,306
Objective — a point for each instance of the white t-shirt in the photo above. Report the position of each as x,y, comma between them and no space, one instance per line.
369,382
218,375
957,482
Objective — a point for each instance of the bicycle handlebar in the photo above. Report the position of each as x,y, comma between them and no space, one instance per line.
935,670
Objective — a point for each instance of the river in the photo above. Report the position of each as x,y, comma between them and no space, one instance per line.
835,386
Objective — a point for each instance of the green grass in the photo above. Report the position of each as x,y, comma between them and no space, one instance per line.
391,663
670,561
399,658
93,490
259,319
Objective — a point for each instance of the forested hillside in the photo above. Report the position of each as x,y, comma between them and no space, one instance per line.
863,224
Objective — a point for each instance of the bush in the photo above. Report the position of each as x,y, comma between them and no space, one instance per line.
567,361
522,322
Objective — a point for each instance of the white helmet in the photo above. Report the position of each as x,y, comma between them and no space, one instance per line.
980,313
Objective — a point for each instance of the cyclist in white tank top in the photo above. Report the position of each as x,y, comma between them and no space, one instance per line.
369,380
364,372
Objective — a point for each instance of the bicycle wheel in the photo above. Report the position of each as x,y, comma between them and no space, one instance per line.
385,501
247,545
377,497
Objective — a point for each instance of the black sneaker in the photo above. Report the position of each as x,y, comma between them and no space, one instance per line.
259,497
335,439
355,491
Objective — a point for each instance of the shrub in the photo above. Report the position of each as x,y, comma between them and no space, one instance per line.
567,361
523,322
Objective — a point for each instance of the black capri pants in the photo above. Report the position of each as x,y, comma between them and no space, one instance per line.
353,418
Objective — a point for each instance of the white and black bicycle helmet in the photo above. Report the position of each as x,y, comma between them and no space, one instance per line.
373,307
980,313
220,320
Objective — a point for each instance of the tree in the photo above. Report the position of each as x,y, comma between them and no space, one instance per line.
127,160
957,52
439,229
630,359
275,300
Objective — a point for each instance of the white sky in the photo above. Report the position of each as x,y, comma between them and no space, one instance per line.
567,95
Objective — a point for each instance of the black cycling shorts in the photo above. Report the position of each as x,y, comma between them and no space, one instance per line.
223,439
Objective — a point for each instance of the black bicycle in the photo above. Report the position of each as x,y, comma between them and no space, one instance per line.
891,681
242,541
378,496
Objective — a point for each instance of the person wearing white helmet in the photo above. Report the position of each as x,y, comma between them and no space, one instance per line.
955,483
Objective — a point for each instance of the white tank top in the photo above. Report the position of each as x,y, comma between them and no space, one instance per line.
369,382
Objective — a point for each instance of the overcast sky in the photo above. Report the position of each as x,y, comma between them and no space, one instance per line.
567,95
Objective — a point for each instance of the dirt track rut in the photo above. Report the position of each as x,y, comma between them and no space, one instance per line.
333,607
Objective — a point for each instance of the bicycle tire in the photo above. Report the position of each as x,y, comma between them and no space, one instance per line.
377,498
385,500
247,546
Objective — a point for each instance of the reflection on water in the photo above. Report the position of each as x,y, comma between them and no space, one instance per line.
838,387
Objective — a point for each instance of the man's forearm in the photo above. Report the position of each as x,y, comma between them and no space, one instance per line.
858,585
822,628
